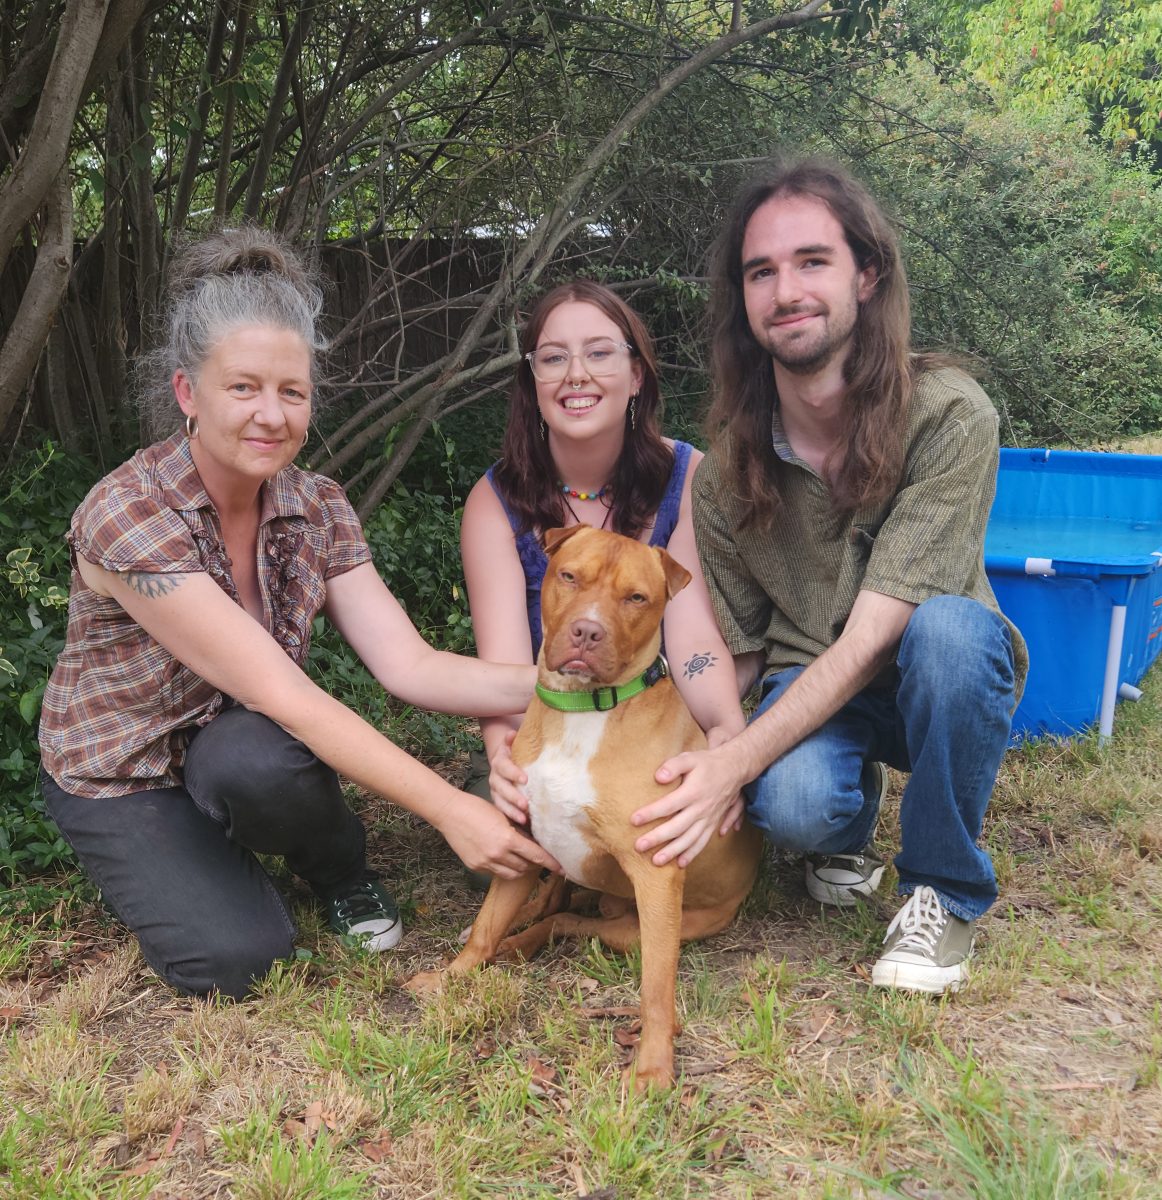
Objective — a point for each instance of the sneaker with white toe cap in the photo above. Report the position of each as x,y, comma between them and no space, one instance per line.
926,947
366,915
846,879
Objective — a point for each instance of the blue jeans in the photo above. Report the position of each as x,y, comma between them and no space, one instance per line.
946,721
177,865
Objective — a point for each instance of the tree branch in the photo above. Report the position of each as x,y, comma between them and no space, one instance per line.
50,276
43,156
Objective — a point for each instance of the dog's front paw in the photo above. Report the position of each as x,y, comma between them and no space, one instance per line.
645,1077
426,983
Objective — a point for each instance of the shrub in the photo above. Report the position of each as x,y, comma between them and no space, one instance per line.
47,484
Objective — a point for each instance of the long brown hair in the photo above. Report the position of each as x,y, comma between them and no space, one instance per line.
880,370
525,474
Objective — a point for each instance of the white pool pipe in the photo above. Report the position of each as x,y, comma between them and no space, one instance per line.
1109,691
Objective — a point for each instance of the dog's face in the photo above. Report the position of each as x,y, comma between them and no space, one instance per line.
602,602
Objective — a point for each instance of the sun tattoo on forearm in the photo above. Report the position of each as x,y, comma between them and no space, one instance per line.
697,664
151,584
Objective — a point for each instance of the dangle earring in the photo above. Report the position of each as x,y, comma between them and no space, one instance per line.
544,430
633,411
191,426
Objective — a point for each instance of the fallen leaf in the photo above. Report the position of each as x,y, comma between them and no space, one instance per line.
195,1138
628,1035
377,1148
818,1020
588,986
147,1164
175,1133
542,1072
1113,1016
616,1010
313,1118
8,1013
296,1130
716,1148
709,1067
484,1048
118,1155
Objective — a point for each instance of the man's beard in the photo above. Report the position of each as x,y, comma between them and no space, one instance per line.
809,355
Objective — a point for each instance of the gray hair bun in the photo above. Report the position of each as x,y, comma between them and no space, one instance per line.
229,280
245,250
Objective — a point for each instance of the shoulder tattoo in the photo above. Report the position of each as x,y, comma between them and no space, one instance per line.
697,664
152,584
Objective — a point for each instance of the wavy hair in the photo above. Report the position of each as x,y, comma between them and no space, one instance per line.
526,475
880,370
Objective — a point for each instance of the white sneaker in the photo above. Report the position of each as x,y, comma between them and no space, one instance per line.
846,879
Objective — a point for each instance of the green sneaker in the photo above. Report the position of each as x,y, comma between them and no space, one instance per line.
927,948
366,914
846,879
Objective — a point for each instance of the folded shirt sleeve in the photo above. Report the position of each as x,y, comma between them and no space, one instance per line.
347,546
124,530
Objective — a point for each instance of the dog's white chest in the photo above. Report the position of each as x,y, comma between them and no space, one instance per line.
561,794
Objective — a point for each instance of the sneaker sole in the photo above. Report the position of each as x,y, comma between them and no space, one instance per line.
842,895
913,977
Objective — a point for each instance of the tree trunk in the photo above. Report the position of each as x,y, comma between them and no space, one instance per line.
43,156
25,340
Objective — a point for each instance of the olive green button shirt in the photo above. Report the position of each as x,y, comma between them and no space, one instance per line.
788,590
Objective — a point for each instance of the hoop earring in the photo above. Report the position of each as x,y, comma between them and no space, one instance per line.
191,426
544,430
306,439
633,411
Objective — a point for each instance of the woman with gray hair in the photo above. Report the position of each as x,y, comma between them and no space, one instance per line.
180,735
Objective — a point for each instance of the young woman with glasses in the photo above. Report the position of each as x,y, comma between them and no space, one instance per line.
583,446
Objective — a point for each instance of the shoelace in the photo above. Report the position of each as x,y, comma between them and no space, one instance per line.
921,922
360,903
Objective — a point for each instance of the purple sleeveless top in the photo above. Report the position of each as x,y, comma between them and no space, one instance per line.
534,560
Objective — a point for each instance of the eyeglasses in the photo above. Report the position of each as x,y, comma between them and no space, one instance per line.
550,364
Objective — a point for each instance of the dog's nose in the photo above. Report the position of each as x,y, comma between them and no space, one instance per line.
585,633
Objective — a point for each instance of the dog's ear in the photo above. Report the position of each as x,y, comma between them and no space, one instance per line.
676,575
554,538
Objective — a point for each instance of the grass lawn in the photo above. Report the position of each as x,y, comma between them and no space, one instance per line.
1042,1080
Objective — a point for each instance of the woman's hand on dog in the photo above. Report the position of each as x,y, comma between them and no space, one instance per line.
505,780
486,841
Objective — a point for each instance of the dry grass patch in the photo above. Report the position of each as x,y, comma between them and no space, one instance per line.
1043,1078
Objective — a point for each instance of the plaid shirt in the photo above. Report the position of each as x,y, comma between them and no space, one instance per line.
788,590
119,709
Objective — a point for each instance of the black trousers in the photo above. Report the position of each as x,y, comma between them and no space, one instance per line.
177,864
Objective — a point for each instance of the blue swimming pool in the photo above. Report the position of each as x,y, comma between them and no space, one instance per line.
1074,553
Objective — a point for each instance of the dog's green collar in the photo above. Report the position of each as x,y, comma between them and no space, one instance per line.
603,699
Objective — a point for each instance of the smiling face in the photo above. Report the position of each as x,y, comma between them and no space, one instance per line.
252,402
801,284
582,405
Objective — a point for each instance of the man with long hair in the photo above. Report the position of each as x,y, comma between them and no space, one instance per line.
840,518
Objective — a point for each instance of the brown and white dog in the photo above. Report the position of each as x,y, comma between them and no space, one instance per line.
605,717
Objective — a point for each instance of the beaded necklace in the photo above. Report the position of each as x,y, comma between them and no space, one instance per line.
574,494
571,492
